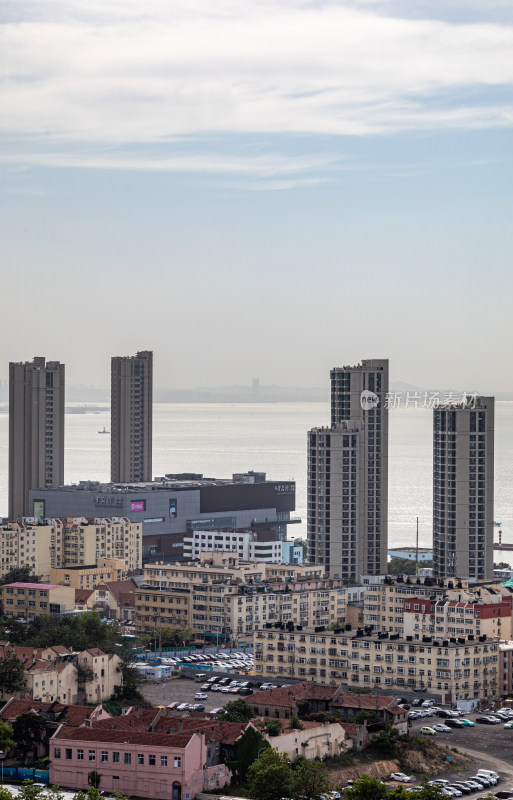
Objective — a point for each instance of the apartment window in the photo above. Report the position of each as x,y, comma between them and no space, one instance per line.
92,755
140,758
177,761
69,753
57,752
115,757
128,758
151,760
80,754
163,761
105,756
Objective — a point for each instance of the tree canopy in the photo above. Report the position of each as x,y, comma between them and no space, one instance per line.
79,632
12,672
270,776
237,711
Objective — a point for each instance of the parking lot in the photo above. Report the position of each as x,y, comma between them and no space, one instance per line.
490,745
182,690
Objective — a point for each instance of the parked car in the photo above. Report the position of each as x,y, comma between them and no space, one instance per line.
428,703
486,721
198,707
201,696
467,723
401,777
442,728
427,731
454,723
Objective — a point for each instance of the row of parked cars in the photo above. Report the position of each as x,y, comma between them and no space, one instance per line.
236,660
482,780
227,686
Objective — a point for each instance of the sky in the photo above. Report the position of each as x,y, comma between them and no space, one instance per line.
258,189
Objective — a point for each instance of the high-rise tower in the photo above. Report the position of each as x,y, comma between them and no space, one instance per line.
131,417
36,431
463,474
348,475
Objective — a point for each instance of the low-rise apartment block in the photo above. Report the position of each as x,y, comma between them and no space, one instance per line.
222,566
26,601
247,545
156,608
455,668
90,575
445,618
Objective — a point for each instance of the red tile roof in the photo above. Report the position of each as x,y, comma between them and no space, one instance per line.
74,716
290,695
83,595
121,588
367,702
214,730
95,735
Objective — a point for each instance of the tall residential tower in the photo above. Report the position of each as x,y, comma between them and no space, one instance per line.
131,417
348,475
36,431
463,472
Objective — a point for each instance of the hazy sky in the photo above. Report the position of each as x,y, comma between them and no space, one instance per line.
262,188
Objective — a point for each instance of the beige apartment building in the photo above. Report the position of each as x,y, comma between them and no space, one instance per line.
26,545
56,544
30,600
50,681
79,542
220,566
88,577
156,608
445,618
452,670
98,675
383,604
310,606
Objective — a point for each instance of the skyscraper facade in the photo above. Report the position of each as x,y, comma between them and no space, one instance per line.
348,475
463,477
131,417
36,431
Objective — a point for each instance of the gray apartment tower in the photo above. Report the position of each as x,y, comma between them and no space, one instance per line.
131,417
463,475
348,475
36,430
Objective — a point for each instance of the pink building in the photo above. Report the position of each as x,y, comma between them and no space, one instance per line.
157,766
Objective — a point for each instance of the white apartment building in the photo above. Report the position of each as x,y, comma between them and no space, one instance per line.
246,545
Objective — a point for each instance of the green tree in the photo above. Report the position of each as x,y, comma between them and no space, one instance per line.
12,672
246,750
273,727
405,566
93,779
270,776
5,794
367,788
130,679
20,575
295,724
309,778
26,732
386,739
6,737
237,711
29,791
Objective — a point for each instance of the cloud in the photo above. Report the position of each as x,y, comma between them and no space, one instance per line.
125,72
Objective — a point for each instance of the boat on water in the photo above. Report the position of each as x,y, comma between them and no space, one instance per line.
104,431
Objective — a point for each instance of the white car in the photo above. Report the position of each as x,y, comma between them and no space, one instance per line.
201,696
442,728
401,777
